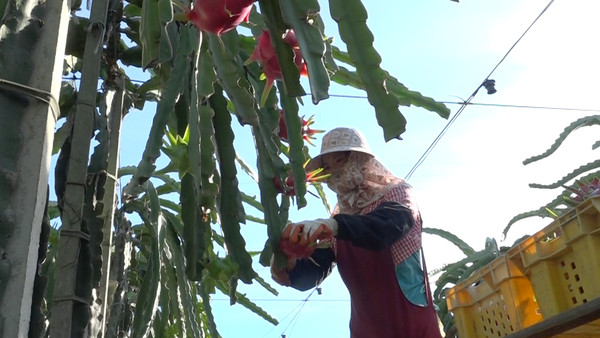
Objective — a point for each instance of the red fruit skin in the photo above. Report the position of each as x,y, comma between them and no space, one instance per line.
263,50
219,16
307,131
296,250
289,189
283,134
289,181
277,183
265,55
291,40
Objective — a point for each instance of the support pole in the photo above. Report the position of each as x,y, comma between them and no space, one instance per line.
32,45
71,235
115,117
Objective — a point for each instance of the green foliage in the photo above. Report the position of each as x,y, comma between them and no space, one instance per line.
296,153
173,88
230,74
194,227
351,17
579,123
230,200
464,247
153,31
147,301
573,193
187,301
303,17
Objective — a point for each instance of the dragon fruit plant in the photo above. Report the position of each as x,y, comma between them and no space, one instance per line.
574,193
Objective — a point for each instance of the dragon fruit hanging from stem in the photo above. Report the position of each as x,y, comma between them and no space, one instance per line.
219,16
265,55
307,132
288,187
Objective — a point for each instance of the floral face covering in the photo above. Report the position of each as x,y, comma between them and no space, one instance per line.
360,182
349,177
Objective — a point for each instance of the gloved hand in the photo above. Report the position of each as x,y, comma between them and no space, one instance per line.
281,276
308,232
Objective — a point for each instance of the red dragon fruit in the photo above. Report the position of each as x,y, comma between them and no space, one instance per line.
293,244
288,188
583,189
307,132
295,249
296,245
264,54
219,16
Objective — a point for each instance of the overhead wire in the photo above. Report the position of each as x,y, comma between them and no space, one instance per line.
285,300
500,105
287,315
297,314
297,311
468,101
524,106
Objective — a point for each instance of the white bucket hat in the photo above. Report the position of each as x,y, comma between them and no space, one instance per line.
342,139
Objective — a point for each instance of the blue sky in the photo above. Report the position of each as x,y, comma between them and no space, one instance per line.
474,181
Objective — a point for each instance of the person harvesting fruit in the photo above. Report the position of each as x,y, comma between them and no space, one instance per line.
374,238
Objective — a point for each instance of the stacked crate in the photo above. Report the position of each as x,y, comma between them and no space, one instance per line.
495,301
552,271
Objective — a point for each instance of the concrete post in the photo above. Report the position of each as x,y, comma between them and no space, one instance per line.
28,113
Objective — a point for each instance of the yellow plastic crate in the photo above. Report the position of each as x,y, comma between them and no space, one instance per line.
496,301
563,259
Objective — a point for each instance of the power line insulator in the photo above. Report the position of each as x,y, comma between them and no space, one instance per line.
490,85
